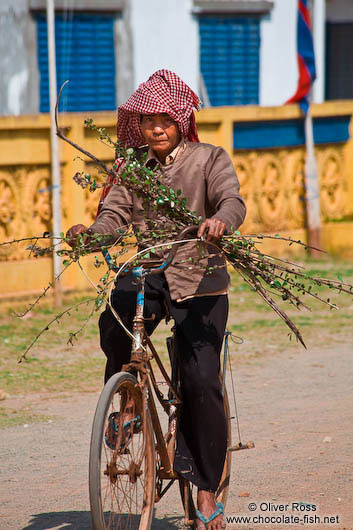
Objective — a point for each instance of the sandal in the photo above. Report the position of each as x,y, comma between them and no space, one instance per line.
111,433
204,520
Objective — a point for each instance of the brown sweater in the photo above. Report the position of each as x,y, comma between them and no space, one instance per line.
206,177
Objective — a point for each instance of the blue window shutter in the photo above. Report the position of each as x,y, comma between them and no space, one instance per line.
85,55
229,59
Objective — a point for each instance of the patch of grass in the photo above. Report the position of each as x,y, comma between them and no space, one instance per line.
237,327
264,332
53,366
17,333
81,373
261,322
13,417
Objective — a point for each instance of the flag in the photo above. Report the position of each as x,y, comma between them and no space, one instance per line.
306,57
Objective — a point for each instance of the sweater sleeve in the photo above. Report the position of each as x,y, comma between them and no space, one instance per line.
116,211
223,187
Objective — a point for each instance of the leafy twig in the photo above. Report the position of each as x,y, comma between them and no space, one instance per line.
55,319
73,335
34,238
47,288
266,274
63,137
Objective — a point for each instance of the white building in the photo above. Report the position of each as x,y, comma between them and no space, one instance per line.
232,52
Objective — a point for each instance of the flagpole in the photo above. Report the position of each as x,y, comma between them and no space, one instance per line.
55,162
307,74
312,192
312,189
319,27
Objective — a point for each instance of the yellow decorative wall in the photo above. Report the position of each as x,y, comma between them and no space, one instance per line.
272,180
25,196
272,183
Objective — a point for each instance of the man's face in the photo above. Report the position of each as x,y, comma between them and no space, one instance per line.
161,133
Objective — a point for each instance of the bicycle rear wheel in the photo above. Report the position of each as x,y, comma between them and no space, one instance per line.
122,458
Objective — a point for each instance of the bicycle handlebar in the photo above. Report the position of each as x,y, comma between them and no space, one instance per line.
148,264
186,231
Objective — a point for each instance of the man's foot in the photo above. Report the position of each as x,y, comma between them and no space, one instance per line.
206,504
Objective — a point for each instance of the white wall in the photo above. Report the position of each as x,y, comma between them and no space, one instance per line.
278,53
19,79
165,35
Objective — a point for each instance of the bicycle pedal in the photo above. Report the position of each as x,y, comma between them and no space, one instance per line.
147,319
239,446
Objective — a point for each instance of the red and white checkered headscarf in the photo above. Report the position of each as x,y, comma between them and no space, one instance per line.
163,92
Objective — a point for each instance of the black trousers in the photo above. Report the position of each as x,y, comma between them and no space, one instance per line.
200,325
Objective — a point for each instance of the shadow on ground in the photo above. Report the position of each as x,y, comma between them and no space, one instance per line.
82,521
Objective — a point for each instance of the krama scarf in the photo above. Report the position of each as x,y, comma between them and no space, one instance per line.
163,92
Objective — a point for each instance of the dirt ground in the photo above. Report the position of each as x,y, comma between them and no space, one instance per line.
297,408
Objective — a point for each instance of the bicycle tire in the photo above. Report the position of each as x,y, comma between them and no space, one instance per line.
223,487
122,472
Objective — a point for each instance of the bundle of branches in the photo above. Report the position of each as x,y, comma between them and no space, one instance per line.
267,275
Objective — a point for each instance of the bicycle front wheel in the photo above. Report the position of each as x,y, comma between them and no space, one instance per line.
122,458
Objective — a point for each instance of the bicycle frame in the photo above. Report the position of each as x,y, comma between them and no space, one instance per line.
142,353
141,362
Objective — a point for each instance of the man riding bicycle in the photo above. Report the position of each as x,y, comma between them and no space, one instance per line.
159,115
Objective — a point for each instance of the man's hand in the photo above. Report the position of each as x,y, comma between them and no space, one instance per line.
73,232
212,228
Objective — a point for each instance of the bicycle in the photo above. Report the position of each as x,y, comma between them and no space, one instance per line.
130,457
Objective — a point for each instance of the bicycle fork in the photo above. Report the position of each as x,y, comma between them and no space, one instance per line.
138,322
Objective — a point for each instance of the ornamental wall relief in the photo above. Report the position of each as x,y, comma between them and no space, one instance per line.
333,185
270,192
295,176
91,198
243,168
91,205
273,187
10,218
38,198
